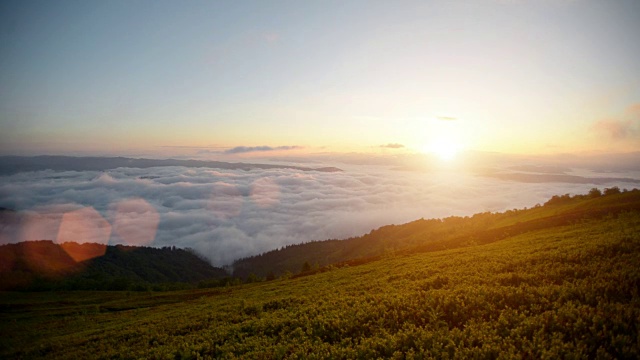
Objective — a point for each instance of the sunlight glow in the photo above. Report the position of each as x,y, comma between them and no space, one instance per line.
445,138
445,149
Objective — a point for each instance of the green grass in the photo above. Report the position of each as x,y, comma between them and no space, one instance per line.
577,204
563,292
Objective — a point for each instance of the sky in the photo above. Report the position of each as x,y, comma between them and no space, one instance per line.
430,109
301,77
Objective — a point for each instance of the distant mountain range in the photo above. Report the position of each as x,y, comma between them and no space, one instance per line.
545,176
16,164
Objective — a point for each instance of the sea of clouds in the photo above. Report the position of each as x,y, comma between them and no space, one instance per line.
228,214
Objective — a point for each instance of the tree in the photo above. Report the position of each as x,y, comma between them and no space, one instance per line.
271,276
594,193
252,278
306,267
612,191
557,200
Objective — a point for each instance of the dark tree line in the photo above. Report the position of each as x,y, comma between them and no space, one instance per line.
44,265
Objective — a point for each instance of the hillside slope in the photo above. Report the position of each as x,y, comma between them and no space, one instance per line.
38,265
566,291
439,234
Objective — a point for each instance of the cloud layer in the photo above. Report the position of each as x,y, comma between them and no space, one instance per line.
228,214
250,149
392,146
620,129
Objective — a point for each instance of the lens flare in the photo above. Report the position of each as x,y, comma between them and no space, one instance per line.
85,225
136,222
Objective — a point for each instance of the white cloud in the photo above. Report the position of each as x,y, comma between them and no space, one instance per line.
227,214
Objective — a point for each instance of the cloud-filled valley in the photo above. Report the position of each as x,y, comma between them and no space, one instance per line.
226,214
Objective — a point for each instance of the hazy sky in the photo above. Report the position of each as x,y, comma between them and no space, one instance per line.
537,76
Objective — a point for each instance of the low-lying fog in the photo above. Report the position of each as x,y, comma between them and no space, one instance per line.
226,214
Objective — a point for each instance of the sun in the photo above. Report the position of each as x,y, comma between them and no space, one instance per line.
443,138
445,149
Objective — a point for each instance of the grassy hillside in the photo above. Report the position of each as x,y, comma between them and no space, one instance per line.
565,291
439,234
44,265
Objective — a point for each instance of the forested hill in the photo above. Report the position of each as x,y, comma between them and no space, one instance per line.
40,265
439,234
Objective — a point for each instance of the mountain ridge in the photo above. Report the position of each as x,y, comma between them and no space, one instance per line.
45,265
438,234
